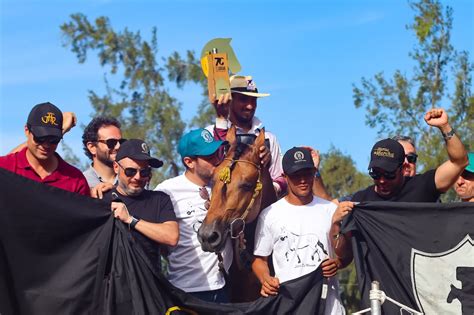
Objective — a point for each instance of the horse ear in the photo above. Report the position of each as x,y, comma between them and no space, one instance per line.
230,137
260,138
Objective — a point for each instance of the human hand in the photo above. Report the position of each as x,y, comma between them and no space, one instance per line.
121,212
342,210
265,156
437,117
98,190
69,121
221,104
314,155
330,267
270,286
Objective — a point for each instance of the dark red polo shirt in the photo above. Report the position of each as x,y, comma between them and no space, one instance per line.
65,176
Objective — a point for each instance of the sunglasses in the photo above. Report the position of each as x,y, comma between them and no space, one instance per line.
111,143
387,175
49,139
411,157
131,172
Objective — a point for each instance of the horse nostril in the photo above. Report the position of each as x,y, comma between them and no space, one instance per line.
214,238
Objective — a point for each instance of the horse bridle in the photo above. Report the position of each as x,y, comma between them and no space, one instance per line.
225,177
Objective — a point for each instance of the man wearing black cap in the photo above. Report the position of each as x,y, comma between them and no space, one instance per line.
390,184
38,159
295,230
190,268
148,214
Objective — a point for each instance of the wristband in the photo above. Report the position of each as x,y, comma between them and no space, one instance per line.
448,135
317,174
132,223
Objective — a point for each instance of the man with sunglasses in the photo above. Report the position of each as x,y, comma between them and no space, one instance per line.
38,160
148,214
101,139
190,268
409,165
295,231
464,186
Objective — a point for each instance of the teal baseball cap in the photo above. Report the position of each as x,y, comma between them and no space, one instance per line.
470,166
198,142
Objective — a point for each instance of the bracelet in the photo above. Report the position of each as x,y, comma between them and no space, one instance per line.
317,174
448,135
132,223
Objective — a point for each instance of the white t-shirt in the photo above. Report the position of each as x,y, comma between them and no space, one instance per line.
190,268
298,237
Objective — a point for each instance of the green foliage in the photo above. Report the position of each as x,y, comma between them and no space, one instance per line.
350,295
69,156
397,105
141,101
341,177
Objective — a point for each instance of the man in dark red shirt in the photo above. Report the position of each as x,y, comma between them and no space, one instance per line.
38,160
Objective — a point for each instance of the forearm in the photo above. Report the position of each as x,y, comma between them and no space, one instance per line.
260,269
166,233
456,151
341,245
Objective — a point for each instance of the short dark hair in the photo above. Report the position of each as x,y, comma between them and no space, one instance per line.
91,131
405,138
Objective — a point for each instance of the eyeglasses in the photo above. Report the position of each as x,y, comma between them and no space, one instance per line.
111,143
130,171
411,157
387,175
49,139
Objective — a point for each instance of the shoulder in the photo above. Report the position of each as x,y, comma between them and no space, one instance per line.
169,183
8,161
68,169
326,204
274,209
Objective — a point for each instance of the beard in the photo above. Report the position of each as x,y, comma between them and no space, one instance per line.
104,158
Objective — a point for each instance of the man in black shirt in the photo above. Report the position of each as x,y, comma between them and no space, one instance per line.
148,214
386,169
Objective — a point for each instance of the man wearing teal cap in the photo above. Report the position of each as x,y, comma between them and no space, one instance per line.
464,186
190,268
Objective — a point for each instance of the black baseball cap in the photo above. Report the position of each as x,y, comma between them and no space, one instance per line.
387,154
136,149
45,119
296,159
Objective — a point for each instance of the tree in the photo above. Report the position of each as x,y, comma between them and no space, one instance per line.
141,102
397,105
340,175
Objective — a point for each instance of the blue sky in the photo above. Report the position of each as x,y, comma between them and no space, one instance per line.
307,54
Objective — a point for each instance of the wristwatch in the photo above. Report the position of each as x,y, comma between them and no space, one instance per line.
134,222
448,135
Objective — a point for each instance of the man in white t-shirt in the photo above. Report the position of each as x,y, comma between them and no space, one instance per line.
295,230
190,268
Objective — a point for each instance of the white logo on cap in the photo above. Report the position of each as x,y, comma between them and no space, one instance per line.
145,148
206,135
299,155
251,85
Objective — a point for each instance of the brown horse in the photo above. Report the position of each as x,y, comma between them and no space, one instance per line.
242,187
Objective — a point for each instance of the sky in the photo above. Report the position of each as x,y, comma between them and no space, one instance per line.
306,54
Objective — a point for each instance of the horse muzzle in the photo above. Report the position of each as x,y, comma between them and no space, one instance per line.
212,236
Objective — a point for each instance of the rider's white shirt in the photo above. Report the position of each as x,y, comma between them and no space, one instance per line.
190,268
298,237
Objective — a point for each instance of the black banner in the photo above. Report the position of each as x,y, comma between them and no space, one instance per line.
62,253
422,254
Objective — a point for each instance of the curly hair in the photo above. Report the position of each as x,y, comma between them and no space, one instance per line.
91,131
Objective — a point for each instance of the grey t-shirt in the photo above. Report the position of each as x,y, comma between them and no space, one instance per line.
93,178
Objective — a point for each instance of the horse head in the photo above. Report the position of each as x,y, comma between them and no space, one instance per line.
236,193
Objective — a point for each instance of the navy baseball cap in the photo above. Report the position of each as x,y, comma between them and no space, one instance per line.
198,142
296,159
136,149
44,120
387,154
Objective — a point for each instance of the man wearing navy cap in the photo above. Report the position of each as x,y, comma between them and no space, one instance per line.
190,268
38,160
148,214
295,231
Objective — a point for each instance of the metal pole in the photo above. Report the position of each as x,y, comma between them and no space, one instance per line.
375,304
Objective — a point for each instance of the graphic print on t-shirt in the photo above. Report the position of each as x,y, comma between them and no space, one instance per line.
198,213
305,245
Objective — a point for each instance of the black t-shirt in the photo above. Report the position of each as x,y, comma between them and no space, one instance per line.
151,206
420,188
